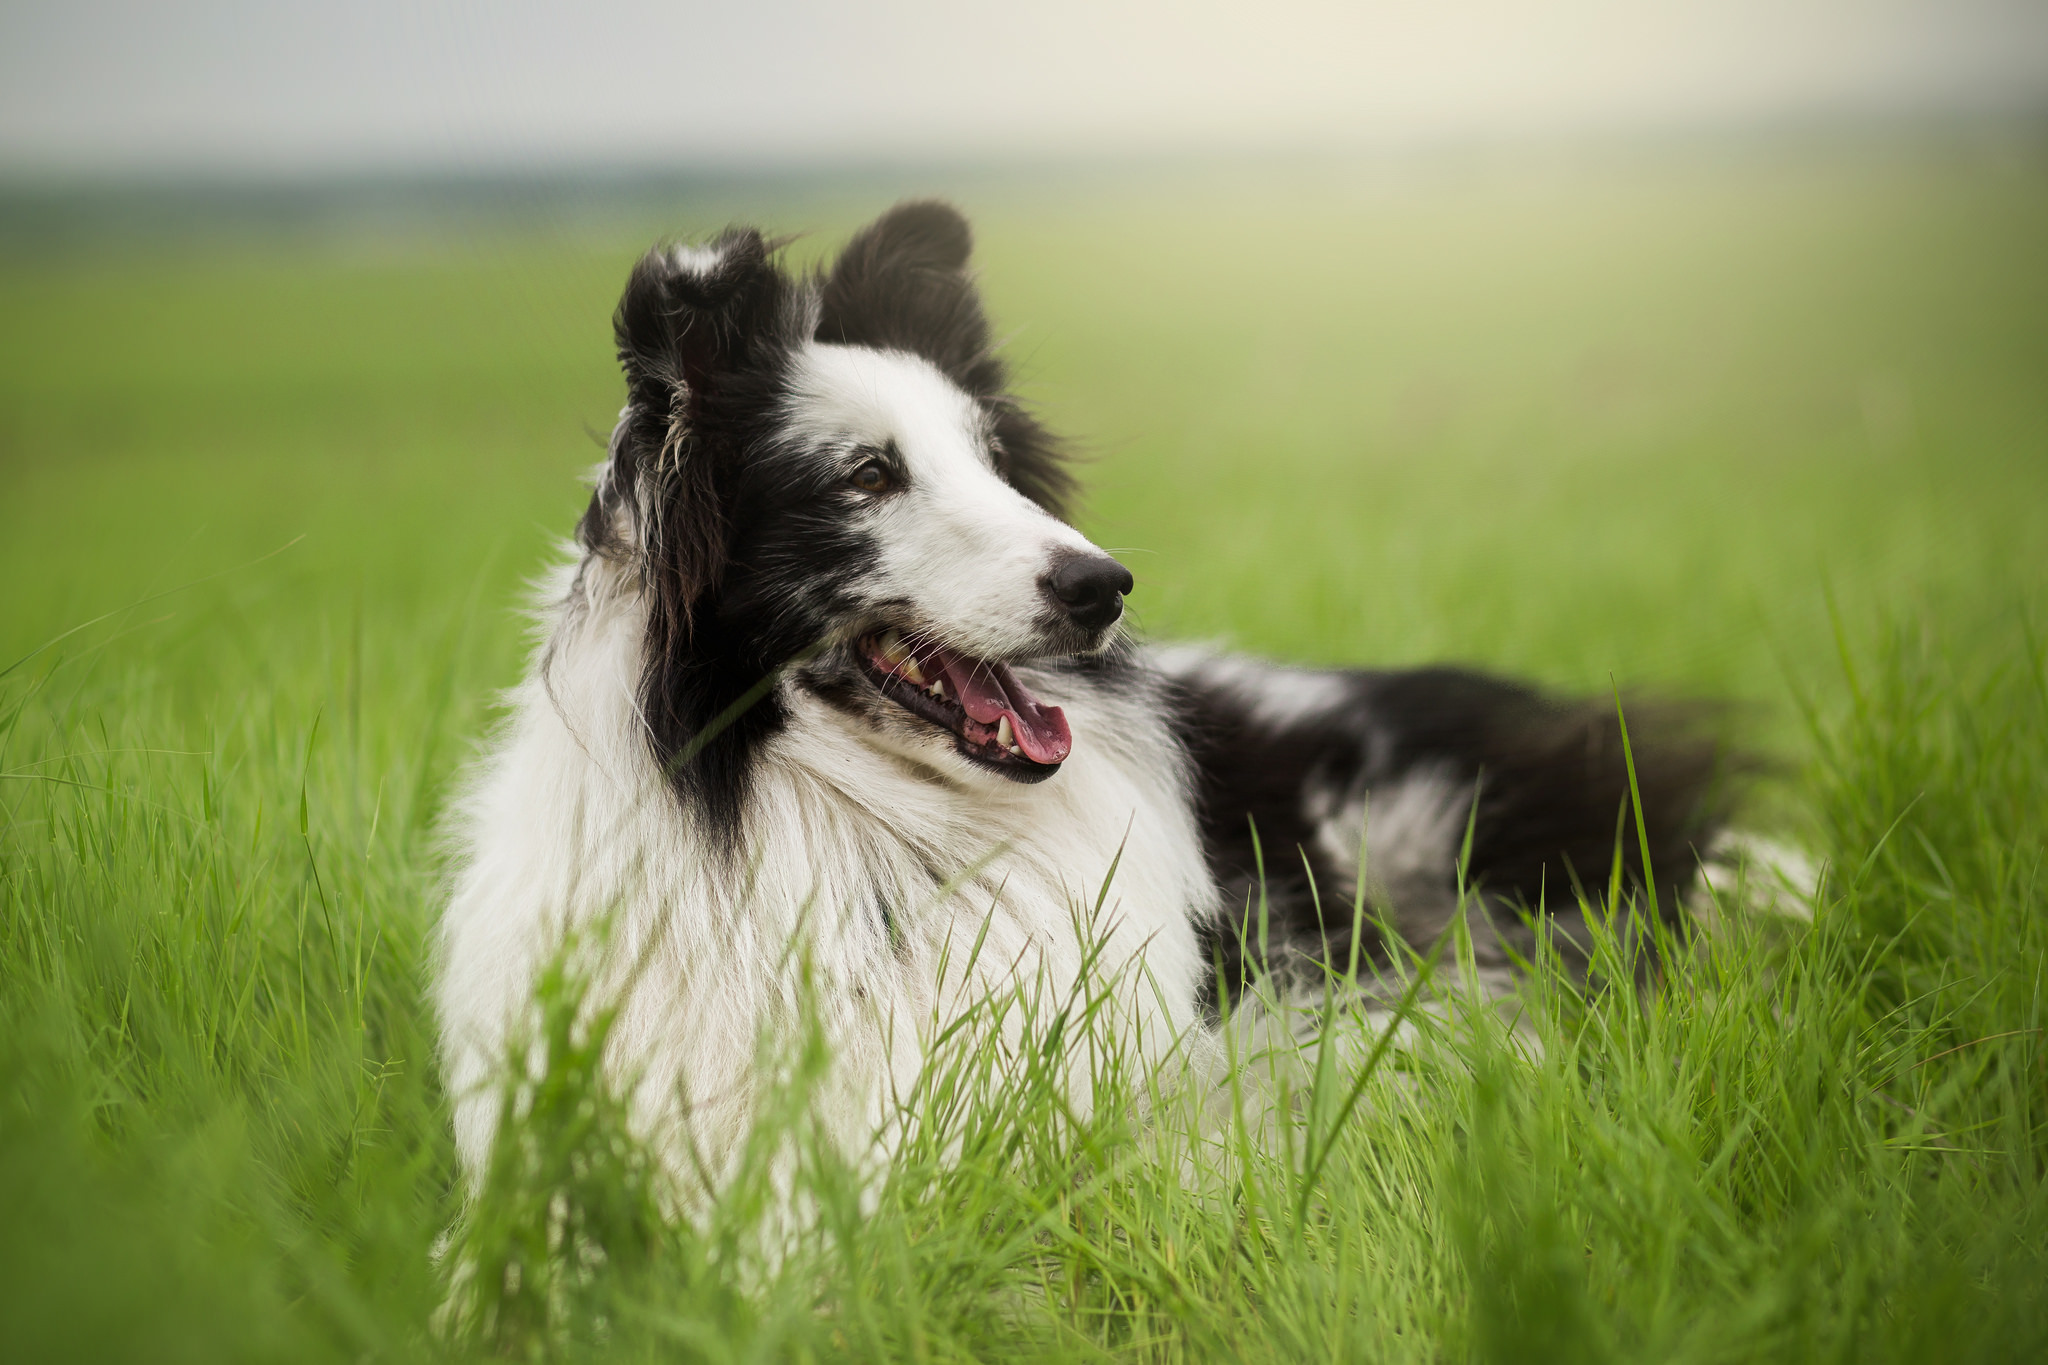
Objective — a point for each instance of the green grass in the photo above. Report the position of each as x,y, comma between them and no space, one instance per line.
1775,430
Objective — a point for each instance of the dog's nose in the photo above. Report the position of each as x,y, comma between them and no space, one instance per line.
1091,588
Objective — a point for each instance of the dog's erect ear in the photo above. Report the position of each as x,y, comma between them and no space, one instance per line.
902,284
926,234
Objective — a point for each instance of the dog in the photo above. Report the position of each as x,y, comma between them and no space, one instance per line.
833,709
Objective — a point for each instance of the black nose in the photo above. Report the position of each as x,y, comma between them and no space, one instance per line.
1091,588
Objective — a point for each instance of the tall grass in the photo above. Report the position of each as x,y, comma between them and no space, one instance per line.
221,1132
1817,1140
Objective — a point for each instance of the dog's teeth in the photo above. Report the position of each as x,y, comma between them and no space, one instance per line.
938,688
890,646
1004,735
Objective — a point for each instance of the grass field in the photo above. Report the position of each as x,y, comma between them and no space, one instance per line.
1767,428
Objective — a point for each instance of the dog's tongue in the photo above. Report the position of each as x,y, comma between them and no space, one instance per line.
990,691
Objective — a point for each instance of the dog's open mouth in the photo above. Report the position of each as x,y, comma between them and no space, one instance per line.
994,719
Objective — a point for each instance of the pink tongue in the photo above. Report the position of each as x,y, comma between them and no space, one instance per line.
988,692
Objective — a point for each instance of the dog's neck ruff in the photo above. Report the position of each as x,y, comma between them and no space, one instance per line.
862,863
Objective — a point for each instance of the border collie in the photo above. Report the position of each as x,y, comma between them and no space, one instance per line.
829,690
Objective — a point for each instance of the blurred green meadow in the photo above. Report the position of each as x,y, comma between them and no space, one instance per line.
1771,427
1627,419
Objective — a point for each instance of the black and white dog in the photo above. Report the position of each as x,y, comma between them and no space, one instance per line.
829,689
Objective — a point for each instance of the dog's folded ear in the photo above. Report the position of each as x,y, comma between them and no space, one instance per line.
702,332
693,315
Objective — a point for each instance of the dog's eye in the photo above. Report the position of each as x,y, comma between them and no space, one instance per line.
872,477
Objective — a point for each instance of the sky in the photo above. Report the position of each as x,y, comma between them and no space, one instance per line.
269,87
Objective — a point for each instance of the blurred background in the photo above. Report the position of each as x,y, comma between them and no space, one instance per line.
1577,338
220,87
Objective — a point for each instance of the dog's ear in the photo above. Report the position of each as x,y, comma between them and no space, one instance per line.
700,332
902,284
692,317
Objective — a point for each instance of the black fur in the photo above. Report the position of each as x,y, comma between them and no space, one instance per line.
1549,777
712,507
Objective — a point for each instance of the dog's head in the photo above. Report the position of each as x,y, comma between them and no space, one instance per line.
826,478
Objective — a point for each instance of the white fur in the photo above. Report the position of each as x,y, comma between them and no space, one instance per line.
694,260
1274,695
1761,874
1409,831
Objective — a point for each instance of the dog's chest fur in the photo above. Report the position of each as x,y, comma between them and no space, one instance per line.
899,895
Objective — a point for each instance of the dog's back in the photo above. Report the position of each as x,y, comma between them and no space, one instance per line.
1452,786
